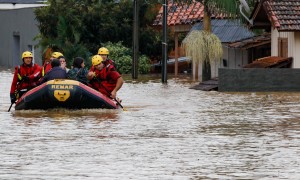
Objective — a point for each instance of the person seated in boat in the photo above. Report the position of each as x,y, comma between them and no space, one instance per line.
103,52
63,63
25,77
104,78
56,72
47,64
78,71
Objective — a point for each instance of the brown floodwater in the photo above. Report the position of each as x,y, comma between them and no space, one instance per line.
168,131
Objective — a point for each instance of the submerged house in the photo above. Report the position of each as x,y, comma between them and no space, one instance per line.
18,30
186,18
180,20
240,45
281,19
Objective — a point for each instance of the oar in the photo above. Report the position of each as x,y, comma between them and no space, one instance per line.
119,104
113,98
10,106
16,92
110,94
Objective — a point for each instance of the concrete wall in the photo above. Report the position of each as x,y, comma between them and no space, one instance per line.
17,31
259,80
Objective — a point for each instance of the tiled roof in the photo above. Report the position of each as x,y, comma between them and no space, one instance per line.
252,42
227,30
179,14
270,62
283,14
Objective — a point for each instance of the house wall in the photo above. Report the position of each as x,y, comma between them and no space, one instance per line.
225,58
214,70
234,58
296,50
239,57
18,29
293,45
274,40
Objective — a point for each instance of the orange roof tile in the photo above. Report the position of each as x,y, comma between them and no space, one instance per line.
283,14
270,62
181,14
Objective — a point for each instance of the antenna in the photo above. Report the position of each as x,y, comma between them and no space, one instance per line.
245,5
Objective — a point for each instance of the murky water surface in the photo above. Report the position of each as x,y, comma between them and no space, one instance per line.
168,132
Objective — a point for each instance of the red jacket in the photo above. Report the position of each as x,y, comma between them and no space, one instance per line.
105,80
46,67
33,73
94,83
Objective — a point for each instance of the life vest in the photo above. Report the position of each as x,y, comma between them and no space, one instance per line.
28,71
101,81
103,73
19,74
108,84
46,68
94,82
111,62
32,71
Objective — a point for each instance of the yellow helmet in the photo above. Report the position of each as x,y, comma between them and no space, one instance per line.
103,51
96,60
56,55
26,54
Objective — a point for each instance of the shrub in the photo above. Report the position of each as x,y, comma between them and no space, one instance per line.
122,56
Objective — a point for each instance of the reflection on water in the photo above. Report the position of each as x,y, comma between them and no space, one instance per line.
57,114
168,132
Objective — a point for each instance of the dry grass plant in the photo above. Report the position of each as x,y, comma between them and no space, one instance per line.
203,46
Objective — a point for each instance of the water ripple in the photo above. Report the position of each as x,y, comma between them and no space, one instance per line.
168,132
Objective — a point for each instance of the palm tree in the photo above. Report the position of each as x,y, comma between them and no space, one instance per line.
205,48
229,8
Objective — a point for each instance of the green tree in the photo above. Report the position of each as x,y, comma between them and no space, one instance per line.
61,28
121,55
75,26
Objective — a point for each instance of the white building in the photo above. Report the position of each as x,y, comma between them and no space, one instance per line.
18,30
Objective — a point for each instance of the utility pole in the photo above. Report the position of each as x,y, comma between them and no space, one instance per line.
135,59
164,43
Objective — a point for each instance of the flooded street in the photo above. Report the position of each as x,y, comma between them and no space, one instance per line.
166,132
